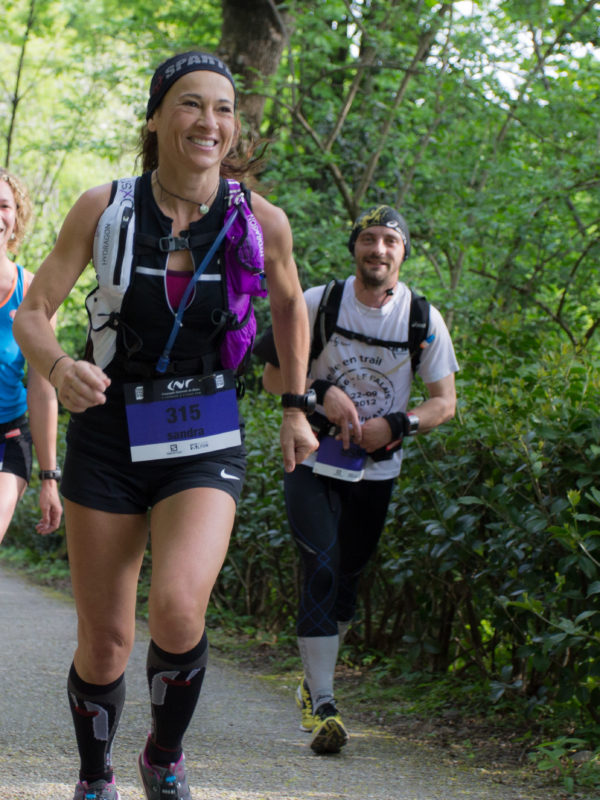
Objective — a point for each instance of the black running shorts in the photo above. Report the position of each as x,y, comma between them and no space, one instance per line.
123,487
17,457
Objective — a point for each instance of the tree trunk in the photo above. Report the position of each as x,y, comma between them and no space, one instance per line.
253,36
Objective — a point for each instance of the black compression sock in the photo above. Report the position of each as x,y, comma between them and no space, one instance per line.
175,681
96,711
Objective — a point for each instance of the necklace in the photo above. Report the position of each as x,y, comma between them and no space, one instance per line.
203,208
360,304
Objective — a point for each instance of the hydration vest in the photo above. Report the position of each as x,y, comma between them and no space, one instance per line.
326,325
113,256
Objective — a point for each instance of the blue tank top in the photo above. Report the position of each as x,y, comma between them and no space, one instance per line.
13,394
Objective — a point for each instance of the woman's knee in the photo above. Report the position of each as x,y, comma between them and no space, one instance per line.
177,619
102,652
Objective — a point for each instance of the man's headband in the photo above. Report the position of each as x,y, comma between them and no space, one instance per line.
383,216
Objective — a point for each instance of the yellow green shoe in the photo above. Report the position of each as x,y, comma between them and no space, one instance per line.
304,703
329,733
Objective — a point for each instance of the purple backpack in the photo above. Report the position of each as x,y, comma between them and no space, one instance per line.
245,277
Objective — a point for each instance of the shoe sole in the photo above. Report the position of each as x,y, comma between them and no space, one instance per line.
330,737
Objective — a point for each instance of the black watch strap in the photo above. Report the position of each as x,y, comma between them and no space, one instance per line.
50,474
305,402
321,386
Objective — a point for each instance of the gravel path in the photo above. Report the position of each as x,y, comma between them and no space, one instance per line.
243,744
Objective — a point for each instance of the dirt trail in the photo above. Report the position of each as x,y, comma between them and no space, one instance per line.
243,744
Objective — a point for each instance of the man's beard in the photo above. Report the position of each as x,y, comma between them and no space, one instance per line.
371,281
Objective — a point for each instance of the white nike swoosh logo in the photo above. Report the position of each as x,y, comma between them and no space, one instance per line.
225,474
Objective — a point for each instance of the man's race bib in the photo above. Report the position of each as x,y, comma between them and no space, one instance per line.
176,417
335,462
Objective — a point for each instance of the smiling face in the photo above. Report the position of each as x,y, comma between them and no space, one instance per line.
378,252
8,216
195,123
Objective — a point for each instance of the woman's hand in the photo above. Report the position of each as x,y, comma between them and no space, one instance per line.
50,507
297,438
80,385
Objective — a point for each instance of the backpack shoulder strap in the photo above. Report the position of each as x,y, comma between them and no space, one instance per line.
234,186
113,239
123,190
418,327
326,324
327,315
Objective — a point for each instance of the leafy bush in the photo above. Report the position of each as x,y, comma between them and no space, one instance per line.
489,560
259,578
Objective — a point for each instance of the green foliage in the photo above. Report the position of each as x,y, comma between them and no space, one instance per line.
483,141
259,578
481,126
569,758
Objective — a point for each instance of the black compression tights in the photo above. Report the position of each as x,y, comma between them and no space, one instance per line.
337,526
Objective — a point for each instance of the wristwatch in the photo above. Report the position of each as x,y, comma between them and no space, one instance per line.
50,474
413,424
305,402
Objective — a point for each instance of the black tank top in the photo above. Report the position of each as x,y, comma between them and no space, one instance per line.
102,430
146,314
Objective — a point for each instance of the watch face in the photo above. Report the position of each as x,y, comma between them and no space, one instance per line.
414,424
311,401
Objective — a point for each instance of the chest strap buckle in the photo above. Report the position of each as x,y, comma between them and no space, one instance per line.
167,244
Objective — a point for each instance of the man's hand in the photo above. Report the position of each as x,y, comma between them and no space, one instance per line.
297,439
376,433
341,411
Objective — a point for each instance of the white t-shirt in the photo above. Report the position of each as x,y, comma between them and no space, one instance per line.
376,378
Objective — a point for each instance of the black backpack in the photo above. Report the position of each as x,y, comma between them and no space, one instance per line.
326,325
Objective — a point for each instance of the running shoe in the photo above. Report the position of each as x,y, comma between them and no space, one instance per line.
329,733
304,703
96,790
163,783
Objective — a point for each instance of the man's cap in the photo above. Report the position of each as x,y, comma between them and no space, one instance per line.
174,68
384,216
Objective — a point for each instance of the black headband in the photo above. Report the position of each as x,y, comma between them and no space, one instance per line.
171,70
384,216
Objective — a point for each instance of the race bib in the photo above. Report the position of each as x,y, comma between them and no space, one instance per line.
335,462
177,417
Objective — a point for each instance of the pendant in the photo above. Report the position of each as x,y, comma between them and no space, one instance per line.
203,208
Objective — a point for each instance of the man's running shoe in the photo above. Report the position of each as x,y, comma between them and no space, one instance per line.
96,790
329,733
163,783
304,703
